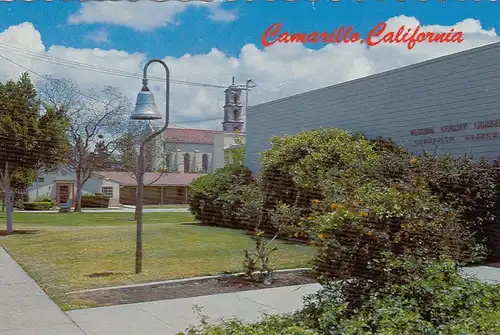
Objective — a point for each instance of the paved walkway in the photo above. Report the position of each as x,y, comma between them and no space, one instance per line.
487,274
24,308
168,317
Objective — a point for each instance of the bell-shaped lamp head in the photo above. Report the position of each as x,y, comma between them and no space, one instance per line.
145,106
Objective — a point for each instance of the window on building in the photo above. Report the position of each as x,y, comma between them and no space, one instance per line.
107,191
180,193
235,114
41,180
204,162
235,98
168,162
187,162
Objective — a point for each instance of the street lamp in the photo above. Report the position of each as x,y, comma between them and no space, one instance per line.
145,109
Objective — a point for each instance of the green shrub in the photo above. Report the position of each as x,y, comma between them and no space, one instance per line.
427,298
470,186
18,204
293,170
474,187
46,199
95,201
37,206
216,198
270,325
359,221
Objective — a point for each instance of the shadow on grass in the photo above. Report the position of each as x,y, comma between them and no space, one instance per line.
196,224
106,274
283,239
19,232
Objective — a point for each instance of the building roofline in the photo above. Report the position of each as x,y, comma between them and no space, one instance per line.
385,73
97,174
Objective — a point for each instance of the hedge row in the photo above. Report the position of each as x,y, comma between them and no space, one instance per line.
38,206
430,298
95,201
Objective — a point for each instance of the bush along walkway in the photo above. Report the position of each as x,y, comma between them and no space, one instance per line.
168,317
25,308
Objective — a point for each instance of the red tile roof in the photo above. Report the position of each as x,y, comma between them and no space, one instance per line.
191,135
196,136
151,178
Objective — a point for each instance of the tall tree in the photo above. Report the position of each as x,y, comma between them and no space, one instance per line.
103,156
30,137
158,158
97,120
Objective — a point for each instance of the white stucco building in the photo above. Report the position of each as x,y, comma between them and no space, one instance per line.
61,186
202,151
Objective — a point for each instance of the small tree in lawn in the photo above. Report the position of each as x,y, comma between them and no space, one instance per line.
256,262
127,153
29,138
97,120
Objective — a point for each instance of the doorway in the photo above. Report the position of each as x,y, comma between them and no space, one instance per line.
64,192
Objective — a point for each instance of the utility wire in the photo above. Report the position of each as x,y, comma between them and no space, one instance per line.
93,68
45,77
82,66
85,95
105,70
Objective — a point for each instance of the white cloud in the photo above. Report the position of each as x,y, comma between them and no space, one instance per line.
221,15
100,36
279,70
144,15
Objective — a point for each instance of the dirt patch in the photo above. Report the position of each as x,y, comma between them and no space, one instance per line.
189,289
18,232
105,274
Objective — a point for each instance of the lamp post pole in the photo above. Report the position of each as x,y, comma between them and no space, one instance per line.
140,161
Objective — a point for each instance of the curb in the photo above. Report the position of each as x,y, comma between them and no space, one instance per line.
184,280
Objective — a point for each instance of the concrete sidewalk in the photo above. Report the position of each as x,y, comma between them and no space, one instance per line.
25,309
168,317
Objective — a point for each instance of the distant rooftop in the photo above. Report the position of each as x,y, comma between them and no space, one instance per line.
151,178
196,136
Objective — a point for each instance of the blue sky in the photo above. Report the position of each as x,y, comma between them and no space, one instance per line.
195,34
123,35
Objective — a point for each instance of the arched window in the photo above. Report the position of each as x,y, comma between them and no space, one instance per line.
235,98
204,162
187,162
235,114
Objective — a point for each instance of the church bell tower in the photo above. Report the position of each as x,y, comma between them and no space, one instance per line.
232,109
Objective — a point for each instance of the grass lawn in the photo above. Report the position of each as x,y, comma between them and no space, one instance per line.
75,251
22,219
167,206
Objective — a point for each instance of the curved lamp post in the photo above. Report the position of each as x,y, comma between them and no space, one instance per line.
145,109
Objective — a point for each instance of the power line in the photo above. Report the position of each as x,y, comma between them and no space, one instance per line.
99,69
105,70
93,68
88,96
45,77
